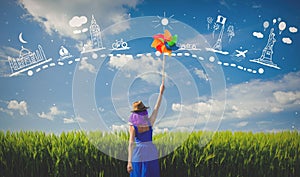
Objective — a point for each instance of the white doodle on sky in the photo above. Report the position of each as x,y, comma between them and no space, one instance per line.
80,31
217,47
209,22
241,53
230,31
96,38
293,29
77,22
188,46
281,26
222,21
210,59
259,35
267,53
266,25
27,60
38,58
120,45
287,40
266,57
217,51
21,39
215,28
164,21
64,53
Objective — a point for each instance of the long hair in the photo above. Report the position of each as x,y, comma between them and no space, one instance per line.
139,118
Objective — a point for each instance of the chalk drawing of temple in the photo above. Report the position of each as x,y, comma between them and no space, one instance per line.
267,53
27,60
96,38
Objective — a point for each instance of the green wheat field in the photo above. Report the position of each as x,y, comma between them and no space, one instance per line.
207,154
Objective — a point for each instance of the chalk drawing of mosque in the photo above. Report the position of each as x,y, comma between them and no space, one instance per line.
27,60
96,38
267,53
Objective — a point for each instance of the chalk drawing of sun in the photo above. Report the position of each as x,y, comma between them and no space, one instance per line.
165,21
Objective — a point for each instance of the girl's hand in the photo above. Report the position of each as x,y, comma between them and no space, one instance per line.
129,167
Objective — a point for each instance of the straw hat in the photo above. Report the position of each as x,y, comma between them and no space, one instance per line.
138,106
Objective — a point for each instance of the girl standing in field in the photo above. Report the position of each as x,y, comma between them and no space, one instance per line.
142,153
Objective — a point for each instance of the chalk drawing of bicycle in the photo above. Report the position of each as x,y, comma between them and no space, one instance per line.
119,45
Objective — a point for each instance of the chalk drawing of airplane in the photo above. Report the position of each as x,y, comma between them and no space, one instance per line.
241,53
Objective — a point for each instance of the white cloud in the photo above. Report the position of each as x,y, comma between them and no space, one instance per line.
258,35
287,40
157,130
203,111
137,67
84,65
293,29
78,21
6,111
200,73
9,51
119,27
268,126
224,3
119,61
74,120
125,128
80,119
256,6
55,15
54,111
6,52
69,120
242,124
250,99
18,106
101,109
290,97
118,128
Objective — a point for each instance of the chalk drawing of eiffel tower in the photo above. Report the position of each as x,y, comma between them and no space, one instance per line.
218,44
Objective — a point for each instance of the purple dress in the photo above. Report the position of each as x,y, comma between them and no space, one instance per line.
145,156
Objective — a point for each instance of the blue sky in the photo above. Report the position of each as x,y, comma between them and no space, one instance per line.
207,88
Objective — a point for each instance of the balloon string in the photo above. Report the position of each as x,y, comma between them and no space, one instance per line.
163,68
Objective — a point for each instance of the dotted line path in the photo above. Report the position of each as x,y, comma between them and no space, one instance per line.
179,54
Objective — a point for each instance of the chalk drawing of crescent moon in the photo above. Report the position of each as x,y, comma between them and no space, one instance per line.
21,38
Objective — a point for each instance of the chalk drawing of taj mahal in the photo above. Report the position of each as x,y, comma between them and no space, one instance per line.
27,60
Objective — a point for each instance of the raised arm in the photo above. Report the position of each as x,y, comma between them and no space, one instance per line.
157,105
